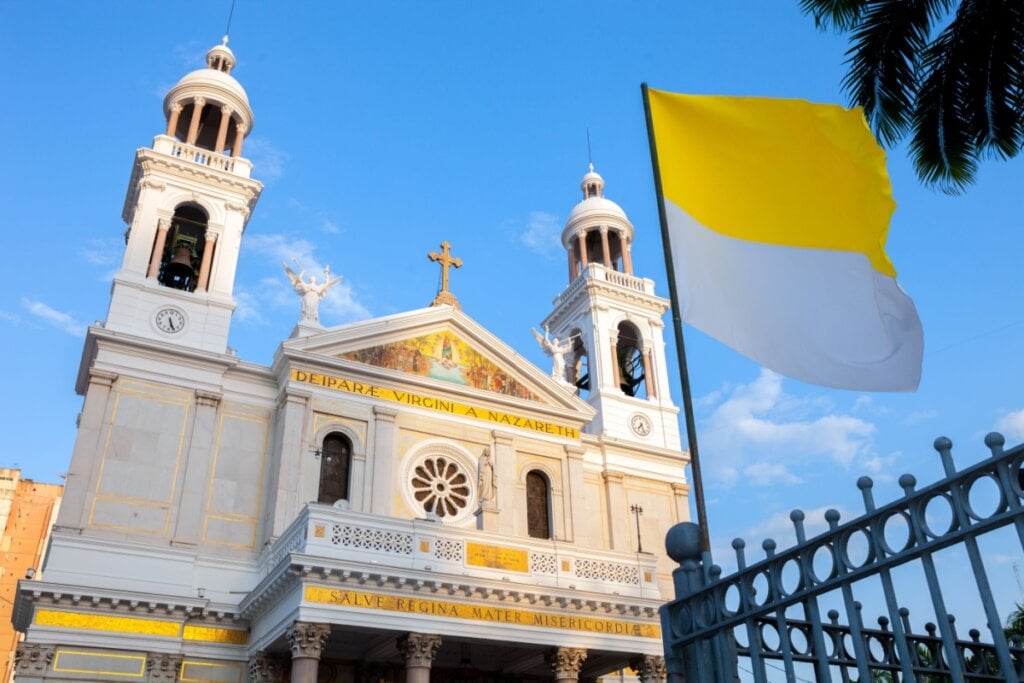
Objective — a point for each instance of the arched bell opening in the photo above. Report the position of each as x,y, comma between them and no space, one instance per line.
208,131
579,368
615,250
183,248
630,360
595,250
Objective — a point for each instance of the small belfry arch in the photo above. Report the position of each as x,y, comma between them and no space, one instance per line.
182,252
578,369
632,362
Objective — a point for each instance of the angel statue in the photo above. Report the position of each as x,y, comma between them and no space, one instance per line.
311,291
556,350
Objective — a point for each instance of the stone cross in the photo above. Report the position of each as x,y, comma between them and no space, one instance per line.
447,261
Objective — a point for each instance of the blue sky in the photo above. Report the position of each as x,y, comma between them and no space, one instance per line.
384,128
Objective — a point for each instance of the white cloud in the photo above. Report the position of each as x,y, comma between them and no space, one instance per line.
12,318
762,432
330,227
58,319
542,234
1012,424
341,303
778,527
919,416
104,252
267,160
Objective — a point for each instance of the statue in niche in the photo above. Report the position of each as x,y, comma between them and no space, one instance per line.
486,478
311,291
557,350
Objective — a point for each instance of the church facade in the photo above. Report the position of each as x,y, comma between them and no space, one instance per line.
403,498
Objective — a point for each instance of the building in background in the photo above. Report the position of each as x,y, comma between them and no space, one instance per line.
398,499
27,512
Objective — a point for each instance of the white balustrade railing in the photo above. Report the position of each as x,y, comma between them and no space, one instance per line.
203,157
387,543
598,271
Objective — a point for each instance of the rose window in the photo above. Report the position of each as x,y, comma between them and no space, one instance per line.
440,486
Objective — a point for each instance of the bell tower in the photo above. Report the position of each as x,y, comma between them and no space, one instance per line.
614,321
189,199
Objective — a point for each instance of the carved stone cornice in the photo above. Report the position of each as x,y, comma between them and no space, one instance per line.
419,648
31,659
162,668
102,378
650,668
566,662
264,668
208,398
308,640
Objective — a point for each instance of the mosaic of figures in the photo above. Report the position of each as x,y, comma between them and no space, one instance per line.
442,355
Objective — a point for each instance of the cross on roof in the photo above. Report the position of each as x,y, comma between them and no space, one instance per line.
447,261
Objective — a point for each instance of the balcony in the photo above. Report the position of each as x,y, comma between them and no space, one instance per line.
204,157
597,271
375,544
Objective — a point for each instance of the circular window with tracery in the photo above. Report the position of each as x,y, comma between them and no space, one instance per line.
441,486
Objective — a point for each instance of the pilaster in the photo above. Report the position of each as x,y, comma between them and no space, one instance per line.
162,668
576,503
618,522
504,453
197,469
385,446
291,419
31,662
93,423
264,668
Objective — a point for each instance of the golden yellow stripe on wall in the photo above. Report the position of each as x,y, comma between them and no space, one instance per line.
499,615
784,172
98,622
210,634
432,403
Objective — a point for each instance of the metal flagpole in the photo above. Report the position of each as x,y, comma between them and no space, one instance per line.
677,325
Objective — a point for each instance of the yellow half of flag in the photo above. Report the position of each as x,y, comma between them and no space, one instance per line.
778,213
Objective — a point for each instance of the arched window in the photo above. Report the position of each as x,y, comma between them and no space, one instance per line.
335,462
183,248
579,370
629,354
538,505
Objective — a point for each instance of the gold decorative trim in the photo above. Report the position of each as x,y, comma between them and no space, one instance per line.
96,622
213,634
141,659
458,610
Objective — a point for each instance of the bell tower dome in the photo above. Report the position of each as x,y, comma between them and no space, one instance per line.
189,199
614,321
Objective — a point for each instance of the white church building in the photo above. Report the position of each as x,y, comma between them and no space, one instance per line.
403,498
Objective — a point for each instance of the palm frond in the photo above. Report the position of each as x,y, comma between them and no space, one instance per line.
989,38
942,146
888,41
842,15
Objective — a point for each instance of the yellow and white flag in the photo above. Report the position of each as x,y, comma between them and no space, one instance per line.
778,212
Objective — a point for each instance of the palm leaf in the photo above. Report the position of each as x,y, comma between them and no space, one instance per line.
989,34
841,15
942,146
888,42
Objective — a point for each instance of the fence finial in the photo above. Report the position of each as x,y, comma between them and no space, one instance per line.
945,448
682,542
995,441
865,484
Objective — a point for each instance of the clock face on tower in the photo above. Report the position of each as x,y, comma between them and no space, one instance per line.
169,320
640,424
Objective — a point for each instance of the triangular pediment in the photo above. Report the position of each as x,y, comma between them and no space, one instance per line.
439,346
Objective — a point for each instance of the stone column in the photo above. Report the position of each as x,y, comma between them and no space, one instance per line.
222,132
162,668
652,388
307,642
583,249
193,126
566,663
606,251
385,445
571,251
158,248
172,120
240,129
204,265
627,255
31,662
192,495
616,370
266,669
618,511
650,668
419,650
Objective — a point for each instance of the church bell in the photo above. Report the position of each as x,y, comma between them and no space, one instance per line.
179,273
